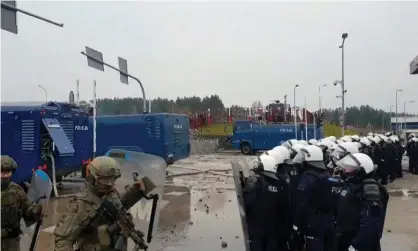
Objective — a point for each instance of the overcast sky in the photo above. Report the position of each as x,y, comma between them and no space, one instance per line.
240,51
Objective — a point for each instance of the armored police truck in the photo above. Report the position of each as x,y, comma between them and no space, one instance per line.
250,137
50,136
162,134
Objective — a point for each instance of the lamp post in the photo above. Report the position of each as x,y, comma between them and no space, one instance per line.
46,93
404,111
343,36
396,109
320,105
390,117
285,108
294,109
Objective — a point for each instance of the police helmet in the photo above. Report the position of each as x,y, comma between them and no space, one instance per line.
346,139
382,137
332,138
413,139
311,155
104,167
7,163
343,149
353,164
370,134
355,138
394,138
282,149
412,135
376,139
289,143
388,140
388,134
313,142
295,149
365,141
277,155
303,142
266,163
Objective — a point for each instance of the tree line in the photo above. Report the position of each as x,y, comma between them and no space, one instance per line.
357,116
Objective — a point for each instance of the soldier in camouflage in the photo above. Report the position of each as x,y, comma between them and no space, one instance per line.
78,228
14,205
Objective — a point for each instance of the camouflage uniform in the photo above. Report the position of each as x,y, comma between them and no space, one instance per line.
79,227
14,205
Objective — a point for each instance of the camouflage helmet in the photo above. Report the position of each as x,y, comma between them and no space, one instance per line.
104,166
7,163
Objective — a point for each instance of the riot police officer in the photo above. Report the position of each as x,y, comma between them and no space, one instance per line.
14,205
412,152
294,171
339,151
313,218
389,160
362,206
399,150
267,204
365,146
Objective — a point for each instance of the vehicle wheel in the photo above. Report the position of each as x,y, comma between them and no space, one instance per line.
246,149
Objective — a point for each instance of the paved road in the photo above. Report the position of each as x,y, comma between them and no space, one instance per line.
199,209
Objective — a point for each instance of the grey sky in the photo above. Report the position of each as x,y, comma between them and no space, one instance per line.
241,51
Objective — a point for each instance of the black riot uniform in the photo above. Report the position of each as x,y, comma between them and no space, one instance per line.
391,154
412,152
267,205
313,216
384,154
399,154
362,211
366,150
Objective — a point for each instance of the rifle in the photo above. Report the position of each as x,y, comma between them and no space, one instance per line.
122,225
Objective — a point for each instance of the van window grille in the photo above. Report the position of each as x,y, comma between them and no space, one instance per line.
68,127
28,135
157,129
177,138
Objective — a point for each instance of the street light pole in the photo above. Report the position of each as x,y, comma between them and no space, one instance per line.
285,108
294,109
320,98
344,36
404,111
396,110
390,118
46,93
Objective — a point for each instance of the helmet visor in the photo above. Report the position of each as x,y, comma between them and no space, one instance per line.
349,165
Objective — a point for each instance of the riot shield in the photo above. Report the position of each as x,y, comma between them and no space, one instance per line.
146,207
240,170
39,192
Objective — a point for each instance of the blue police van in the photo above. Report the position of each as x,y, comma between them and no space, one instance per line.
40,135
162,134
250,137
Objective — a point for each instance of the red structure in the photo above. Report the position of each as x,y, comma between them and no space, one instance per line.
198,119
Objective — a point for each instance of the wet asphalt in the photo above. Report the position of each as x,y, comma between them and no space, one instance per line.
199,209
